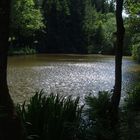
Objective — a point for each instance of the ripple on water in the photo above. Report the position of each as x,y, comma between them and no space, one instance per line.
72,77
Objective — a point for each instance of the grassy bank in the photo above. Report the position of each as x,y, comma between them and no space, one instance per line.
21,51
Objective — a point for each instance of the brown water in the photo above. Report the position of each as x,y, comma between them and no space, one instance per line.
78,75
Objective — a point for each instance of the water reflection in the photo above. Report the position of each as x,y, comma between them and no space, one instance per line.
67,74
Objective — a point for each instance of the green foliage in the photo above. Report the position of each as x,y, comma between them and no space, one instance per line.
90,19
99,116
103,6
90,26
133,7
51,117
109,27
26,23
127,49
136,52
132,101
62,26
98,105
75,26
130,116
133,26
135,42
131,40
21,51
55,117
98,29
25,18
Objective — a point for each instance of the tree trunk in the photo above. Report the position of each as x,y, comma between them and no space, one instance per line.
118,55
5,99
10,126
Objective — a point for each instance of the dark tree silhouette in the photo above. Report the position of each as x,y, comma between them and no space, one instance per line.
118,56
10,127
5,99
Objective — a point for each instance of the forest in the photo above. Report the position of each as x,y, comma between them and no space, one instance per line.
75,48
69,26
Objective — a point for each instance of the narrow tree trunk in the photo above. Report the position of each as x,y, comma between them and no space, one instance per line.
10,126
118,56
5,99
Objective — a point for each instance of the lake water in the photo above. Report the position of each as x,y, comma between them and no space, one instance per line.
78,75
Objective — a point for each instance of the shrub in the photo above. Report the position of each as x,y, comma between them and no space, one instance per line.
98,105
99,116
51,117
130,115
132,101
22,51
55,117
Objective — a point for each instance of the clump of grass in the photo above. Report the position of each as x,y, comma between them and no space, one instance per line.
51,117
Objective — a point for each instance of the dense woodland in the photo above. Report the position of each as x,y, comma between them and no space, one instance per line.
71,26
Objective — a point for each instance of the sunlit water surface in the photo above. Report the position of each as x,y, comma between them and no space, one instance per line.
78,75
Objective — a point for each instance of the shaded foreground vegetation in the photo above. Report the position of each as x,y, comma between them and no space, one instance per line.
55,117
50,117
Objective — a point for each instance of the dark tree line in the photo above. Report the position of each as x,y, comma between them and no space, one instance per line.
67,25
62,26
64,32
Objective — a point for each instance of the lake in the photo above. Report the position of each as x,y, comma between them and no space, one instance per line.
77,75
